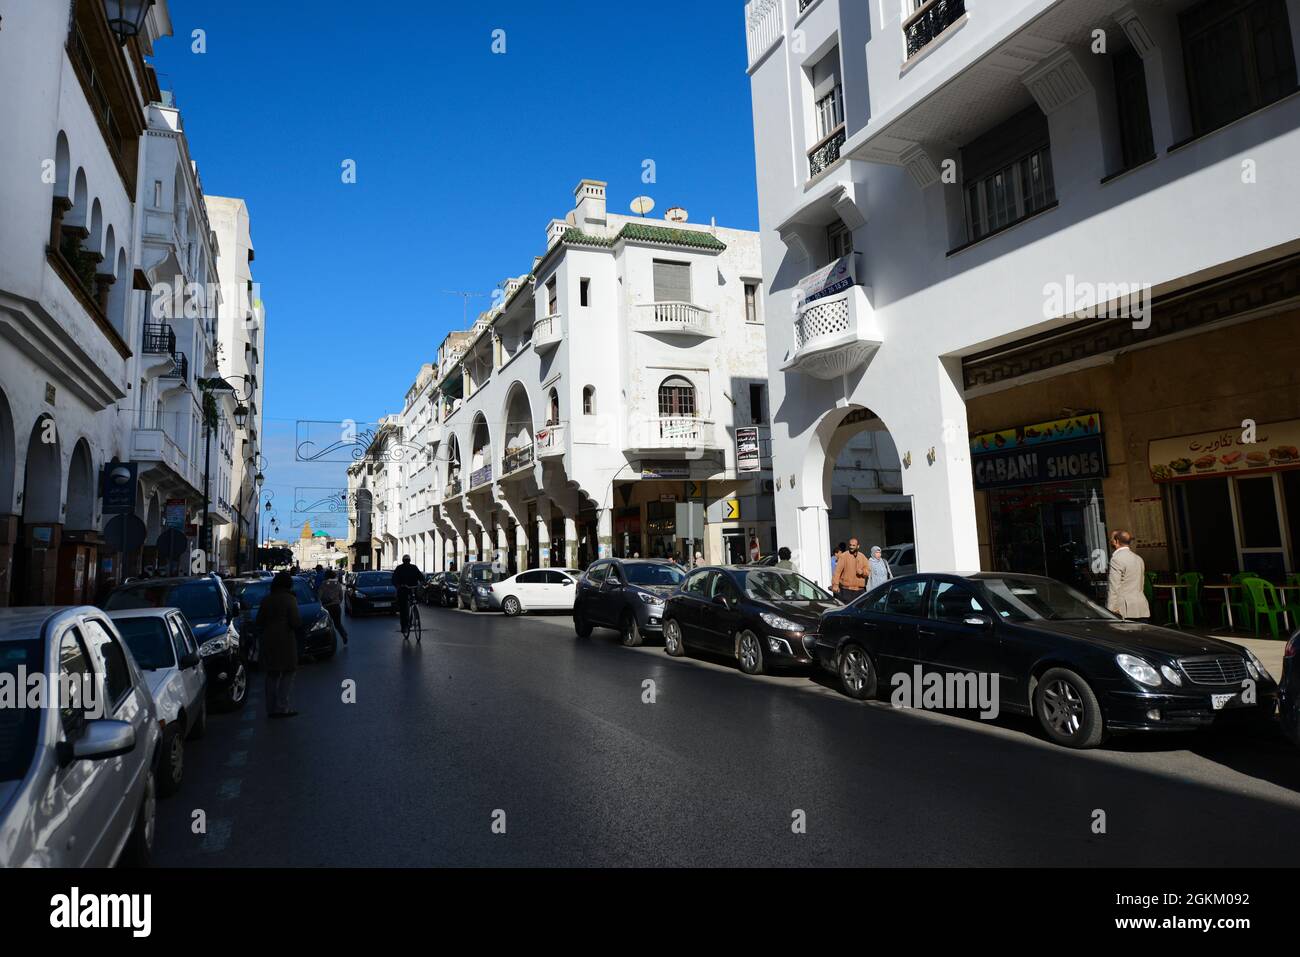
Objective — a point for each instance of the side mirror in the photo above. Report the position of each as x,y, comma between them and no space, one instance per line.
104,739
567,582
722,600
189,661
976,620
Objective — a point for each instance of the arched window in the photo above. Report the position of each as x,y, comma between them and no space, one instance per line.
676,397
589,400
553,408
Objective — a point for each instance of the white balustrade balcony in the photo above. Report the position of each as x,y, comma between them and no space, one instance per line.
674,318
548,332
835,335
680,433
550,441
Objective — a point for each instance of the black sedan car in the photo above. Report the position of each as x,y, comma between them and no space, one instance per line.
440,589
763,617
212,614
316,635
1045,650
371,593
1289,697
627,595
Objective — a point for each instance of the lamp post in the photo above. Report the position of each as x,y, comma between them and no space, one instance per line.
126,17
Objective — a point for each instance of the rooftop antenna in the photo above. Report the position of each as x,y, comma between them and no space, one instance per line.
467,296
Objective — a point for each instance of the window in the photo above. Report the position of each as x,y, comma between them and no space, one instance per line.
676,398
157,194
751,302
950,601
906,598
553,406
698,584
596,575
552,297
589,400
116,673
1008,174
1239,57
532,578
75,675
839,241
672,281
1134,109
584,292
828,98
756,403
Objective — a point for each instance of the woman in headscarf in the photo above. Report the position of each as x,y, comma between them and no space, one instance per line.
278,621
880,570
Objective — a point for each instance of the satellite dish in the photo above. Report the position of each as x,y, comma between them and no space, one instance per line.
642,205
675,215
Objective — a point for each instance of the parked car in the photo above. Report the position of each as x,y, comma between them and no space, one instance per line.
1080,670
1289,693
433,591
762,617
475,589
538,589
211,614
767,561
316,637
77,788
901,558
166,652
371,593
627,595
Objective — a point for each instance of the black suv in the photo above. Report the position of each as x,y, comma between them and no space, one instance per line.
627,595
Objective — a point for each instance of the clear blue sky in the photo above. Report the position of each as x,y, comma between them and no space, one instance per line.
462,155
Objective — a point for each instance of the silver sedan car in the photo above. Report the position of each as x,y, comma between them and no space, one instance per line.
78,742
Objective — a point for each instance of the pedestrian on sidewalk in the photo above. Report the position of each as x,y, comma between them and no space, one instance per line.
278,621
331,598
851,573
880,570
840,550
1126,589
785,561
755,552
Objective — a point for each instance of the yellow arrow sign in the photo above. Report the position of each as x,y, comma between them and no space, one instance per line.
733,509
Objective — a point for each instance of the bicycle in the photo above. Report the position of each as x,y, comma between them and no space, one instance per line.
413,623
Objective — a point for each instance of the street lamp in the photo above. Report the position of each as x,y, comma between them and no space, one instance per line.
126,17
241,416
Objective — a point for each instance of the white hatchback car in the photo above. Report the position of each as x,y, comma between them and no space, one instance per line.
539,589
166,650
76,781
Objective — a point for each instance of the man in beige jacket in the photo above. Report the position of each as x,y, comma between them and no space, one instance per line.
1126,595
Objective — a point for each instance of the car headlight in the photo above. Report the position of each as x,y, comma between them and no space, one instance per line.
778,623
1172,676
1251,659
215,646
322,623
653,600
483,589
1139,670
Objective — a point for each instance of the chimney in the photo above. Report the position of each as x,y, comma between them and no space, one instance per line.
590,209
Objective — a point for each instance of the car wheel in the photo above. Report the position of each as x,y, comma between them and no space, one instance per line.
673,639
1068,710
139,846
750,653
857,674
631,631
510,606
201,724
581,625
238,689
171,765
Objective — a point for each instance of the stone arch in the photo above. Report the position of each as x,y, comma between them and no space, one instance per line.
43,475
480,443
79,513
8,457
95,241
62,166
120,290
78,215
517,414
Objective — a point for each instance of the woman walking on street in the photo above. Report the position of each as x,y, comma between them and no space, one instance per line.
331,597
278,621
880,570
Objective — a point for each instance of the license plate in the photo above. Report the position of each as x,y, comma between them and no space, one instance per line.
1219,700
385,604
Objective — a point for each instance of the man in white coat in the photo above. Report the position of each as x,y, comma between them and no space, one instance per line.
1126,595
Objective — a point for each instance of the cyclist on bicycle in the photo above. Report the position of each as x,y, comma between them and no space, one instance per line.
406,579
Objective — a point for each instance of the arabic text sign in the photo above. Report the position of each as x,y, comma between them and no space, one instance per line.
1276,445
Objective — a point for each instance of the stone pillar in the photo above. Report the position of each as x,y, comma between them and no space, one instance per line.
605,532
544,557
524,560
813,549
501,557
570,542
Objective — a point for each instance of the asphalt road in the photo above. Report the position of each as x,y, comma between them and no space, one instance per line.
519,723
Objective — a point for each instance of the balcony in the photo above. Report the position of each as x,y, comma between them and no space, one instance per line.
928,20
835,335
763,28
480,477
826,153
550,441
681,433
674,318
159,339
453,487
180,368
516,460
162,459
547,332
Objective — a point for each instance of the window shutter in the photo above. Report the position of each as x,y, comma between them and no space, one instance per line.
672,282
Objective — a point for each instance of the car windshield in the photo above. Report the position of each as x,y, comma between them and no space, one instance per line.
776,585
256,593
1041,599
483,573
199,600
374,579
18,725
647,573
149,640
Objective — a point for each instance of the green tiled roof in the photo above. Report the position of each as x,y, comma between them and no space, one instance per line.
576,237
696,239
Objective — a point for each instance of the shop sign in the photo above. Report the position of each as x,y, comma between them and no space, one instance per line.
1071,461
829,280
747,454
1023,436
655,470
174,513
1225,452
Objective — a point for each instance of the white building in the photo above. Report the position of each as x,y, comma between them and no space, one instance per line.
963,207
71,323
603,390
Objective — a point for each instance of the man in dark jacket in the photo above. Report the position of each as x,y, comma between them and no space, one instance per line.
405,577
278,621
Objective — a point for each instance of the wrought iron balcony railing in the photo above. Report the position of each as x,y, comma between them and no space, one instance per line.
928,20
825,153
159,339
180,368
517,459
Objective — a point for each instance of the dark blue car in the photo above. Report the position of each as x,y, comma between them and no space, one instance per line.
316,637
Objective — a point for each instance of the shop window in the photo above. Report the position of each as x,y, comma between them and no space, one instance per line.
1239,58
1134,109
1007,174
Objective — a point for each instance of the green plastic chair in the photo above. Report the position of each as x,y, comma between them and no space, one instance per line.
1149,588
1189,599
1263,600
1241,605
